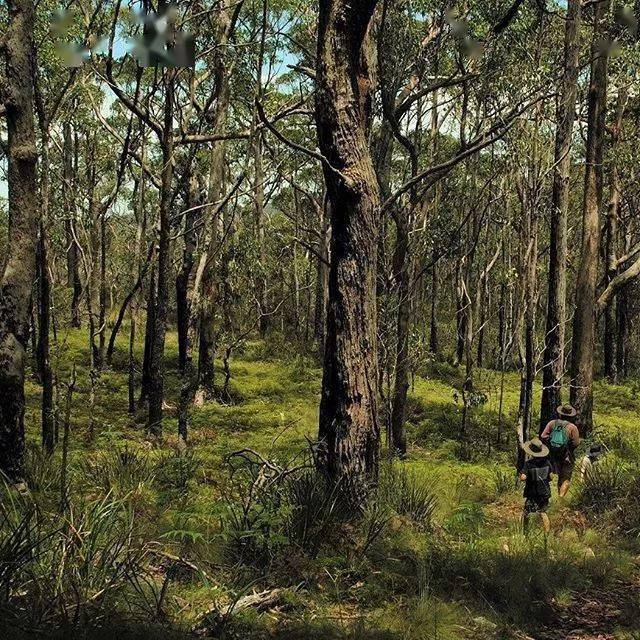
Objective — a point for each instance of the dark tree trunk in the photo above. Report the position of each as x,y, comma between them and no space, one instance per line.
145,385
610,315
156,361
348,424
553,358
622,337
322,280
20,265
44,303
401,383
584,319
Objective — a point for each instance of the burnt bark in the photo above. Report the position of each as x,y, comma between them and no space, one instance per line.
348,423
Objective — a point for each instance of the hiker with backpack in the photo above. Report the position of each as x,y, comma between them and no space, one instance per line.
562,438
536,474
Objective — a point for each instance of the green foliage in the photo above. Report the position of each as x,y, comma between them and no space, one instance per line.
66,570
175,470
117,470
407,495
42,470
604,486
316,506
518,576
466,521
504,480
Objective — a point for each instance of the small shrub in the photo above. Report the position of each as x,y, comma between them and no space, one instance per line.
117,470
630,508
466,521
175,470
66,570
407,495
604,486
42,470
315,507
504,480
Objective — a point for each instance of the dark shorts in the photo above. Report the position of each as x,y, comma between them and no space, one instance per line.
535,505
563,469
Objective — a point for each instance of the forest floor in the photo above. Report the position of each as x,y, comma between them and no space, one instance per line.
450,562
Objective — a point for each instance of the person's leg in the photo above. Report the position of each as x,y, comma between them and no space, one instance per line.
564,478
546,523
526,516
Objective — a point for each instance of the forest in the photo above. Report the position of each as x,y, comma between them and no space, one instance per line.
320,319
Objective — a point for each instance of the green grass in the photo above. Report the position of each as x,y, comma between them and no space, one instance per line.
415,580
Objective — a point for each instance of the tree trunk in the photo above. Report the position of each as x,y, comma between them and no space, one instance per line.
73,274
258,184
102,288
20,265
622,336
204,298
183,306
145,384
44,303
461,317
156,363
401,383
553,358
434,344
322,280
348,423
584,320
610,320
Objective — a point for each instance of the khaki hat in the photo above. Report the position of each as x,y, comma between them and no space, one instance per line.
536,448
567,411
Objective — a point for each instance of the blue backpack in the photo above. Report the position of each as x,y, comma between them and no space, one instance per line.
559,438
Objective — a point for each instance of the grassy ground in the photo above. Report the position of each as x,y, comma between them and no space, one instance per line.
446,560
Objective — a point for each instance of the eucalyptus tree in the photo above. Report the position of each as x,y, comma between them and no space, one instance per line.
553,367
19,266
584,319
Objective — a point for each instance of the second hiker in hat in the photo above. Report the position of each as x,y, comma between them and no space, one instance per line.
536,474
562,438
594,453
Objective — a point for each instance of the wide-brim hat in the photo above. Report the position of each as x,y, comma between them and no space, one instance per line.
595,451
536,448
567,411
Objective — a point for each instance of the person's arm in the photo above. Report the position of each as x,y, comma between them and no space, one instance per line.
574,436
584,467
546,432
